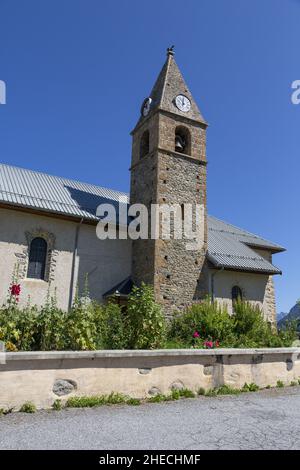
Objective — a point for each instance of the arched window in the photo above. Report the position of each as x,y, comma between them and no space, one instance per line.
144,144
236,293
37,258
182,140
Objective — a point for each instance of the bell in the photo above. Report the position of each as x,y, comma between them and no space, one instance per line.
179,143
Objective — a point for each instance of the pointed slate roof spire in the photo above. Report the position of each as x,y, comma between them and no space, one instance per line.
168,85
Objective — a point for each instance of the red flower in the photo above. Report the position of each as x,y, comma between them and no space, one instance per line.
208,344
217,343
196,334
15,289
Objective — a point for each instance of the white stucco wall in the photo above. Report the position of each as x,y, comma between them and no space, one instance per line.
106,262
33,376
255,288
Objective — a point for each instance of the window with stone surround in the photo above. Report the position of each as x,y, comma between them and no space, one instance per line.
236,293
25,258
144,144
37,258
182,140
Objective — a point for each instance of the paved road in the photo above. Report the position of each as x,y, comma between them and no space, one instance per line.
263,420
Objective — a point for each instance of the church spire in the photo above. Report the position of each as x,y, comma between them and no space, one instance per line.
169,85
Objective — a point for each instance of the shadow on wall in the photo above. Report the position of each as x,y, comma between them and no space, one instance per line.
102,264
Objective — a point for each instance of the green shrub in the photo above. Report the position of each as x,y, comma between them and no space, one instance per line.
28,407
279,384
207,318
201,391
145,322
245,328
293,383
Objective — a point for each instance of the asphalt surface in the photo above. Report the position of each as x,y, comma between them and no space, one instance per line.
267,419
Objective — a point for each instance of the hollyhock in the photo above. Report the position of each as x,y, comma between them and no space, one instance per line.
15,290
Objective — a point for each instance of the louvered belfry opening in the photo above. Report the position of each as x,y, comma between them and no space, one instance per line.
37,258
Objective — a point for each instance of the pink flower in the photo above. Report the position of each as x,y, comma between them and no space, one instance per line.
208,344
15,289
196,334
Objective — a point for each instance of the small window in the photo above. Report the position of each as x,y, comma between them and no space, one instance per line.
236,293
37,258
182,140
144,145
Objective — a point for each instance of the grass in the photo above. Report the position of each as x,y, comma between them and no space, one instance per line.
252,387
133,401
118,398
28,407
57,405
96,400
160,397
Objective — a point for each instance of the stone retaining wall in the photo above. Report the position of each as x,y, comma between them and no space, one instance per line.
42,377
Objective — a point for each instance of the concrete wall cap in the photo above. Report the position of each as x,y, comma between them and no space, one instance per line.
54,355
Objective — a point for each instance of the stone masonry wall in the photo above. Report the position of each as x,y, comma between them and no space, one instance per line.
179,276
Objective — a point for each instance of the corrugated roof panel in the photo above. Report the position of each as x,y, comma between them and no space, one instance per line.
240,234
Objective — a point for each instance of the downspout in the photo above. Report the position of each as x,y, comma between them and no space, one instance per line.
212,280
75,251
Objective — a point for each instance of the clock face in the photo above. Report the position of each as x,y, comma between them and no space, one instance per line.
183,103
146,106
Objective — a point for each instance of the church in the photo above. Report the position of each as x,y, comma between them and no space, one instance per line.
48,223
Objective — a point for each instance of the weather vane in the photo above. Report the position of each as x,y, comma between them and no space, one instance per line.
170,50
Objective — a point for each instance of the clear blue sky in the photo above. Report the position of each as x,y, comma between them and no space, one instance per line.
77,71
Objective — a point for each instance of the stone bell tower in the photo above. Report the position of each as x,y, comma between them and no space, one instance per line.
169,167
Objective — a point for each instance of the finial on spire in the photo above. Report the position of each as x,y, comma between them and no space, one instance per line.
170,51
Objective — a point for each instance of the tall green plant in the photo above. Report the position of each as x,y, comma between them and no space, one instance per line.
50,325
81,330
113,330
145,321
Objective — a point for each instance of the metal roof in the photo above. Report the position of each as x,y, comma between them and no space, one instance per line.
228,246
43,192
